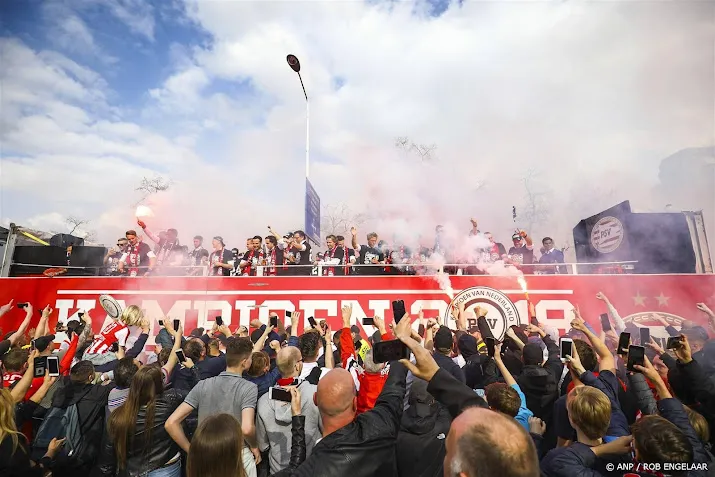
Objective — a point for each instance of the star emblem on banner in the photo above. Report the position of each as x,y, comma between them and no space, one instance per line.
662,299
639,300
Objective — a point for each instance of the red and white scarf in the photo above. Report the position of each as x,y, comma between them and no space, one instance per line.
133,259
271,262
250,268
216,256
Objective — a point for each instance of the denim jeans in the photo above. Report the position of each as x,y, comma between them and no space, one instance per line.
174,470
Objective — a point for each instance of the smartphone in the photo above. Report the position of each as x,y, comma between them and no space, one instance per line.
22,305
391,350
180,355
161,322
673,342
219,321
368,321
566,348
605,322
490,346
53,366
40,364
398,310
274,321
176,324
645,336
623,342
32,345
80,314
312,322
534,321
289,314
636,356
279,394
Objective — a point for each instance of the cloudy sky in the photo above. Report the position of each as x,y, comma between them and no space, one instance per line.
580,101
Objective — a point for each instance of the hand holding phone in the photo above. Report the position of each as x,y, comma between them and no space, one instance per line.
219,320
368,321
398,310
279,394
392,350
605,322
53,366
180,356
636,356
274,321
644,335
673,342
312,322
176,324
565,348
22,305
623,342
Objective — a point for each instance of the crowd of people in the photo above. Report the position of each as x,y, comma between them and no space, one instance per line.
413,399
292,254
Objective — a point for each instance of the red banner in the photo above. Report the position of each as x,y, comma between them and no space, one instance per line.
198,300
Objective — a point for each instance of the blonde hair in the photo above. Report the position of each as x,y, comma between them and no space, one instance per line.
589,410
699,423
7,419
132,316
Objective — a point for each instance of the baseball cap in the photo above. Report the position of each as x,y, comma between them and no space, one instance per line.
516,236
355,329
197,333
443,338
43,342
467,345
532,354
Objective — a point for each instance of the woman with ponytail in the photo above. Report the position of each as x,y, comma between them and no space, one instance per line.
137,443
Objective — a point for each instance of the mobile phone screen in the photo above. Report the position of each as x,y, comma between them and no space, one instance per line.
274,321
80,314
53,366
180,355
176,324
40,365
605,322
279,394
398,310
368,321
645,336
22,305
566,348
32,344
490,346
161,322
289,314
391,350
636,356
673,342
623,342
312,322
219,320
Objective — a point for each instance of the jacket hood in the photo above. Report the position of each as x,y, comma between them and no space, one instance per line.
415,423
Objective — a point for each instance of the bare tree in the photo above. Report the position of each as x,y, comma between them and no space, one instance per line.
151,186
535,210
78,226
337,219
426,152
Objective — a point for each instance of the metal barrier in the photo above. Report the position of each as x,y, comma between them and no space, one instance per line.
320,269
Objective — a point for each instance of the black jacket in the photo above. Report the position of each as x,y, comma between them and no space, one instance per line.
540,389
421,441
144,456
365,447
91,400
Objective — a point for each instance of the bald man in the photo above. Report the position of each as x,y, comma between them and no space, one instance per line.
484,443
273,423
356,445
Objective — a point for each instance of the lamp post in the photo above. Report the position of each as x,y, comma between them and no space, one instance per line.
295,66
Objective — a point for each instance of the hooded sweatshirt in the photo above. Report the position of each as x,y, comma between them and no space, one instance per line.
273,426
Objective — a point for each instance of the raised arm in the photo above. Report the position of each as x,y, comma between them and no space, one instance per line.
508,378
606,360
177,335
711,315
15,337
355,244
43,328
617,320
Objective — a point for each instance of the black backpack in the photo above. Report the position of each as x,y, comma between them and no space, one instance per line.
314,375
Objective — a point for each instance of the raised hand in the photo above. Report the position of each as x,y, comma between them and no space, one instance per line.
537,426
347,313
601,296
683,352
705,309
5,308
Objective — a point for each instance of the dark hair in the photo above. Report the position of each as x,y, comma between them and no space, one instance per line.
272,240
237,350
122,238
124,372
257,237
309,345
259,361
658,440
588,357
299,232
483,455
503,398
216,448
131,232
193,349
146,386
198,237
164,355
81,371
545,239
340,238
15,359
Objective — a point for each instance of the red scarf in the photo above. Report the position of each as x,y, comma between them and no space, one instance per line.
134,259
346,258
331,270
271,270
218,256
285,381
250,269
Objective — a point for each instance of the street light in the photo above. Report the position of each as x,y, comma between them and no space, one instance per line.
294,63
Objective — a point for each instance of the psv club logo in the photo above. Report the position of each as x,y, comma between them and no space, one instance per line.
501,312
607,234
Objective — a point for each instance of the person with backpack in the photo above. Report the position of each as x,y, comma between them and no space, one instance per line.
77,415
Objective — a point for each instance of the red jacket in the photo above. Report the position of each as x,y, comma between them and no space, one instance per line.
370,384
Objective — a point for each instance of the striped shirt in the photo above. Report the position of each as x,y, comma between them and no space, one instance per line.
114,331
